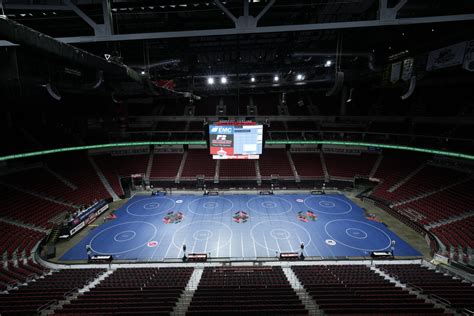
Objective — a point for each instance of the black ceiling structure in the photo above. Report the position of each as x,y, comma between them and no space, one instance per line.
118,66
189,41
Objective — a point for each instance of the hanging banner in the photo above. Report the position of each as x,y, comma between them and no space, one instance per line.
446,57
395,74
407,69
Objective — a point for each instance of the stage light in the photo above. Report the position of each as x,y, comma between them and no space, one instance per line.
276,78
299,77
224,80
252,79
142,72
328,63
210,80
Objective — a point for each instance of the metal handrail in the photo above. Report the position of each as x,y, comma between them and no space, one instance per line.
65,295
415,287
46,305
440,299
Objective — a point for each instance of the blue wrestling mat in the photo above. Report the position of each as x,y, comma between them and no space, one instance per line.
238,226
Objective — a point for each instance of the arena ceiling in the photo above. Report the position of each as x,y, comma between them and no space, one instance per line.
190,41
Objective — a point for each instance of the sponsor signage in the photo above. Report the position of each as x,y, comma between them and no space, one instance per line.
88,216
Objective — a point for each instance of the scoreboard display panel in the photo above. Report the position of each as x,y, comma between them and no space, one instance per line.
236,140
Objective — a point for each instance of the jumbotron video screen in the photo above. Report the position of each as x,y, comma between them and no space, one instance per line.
236,140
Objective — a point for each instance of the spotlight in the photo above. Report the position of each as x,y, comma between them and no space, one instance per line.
142,72
328,63
299,77
223,80
276,78
210,80
252,79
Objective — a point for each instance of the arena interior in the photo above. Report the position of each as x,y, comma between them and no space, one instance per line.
238,157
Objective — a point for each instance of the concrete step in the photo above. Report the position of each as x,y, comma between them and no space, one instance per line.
75,293
413,290
149,165
376,166
323,163
406,179
293,167
181,167
103,179
427,194
60,178
303,295
185,299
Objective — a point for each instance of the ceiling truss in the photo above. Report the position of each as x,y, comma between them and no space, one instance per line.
244,24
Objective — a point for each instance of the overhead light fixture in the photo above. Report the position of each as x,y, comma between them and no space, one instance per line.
276,78
299,77
328,63
224,80
252,79
210,80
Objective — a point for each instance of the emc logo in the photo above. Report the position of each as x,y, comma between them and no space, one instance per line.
221,130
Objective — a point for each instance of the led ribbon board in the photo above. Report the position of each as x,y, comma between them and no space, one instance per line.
270,142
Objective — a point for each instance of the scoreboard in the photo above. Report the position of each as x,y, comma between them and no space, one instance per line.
236,140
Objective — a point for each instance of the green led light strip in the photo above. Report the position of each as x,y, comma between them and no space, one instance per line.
270,142
329,142
130,144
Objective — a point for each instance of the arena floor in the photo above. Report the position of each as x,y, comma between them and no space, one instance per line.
238,227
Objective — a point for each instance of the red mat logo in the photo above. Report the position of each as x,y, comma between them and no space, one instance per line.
173,217
240,217
152,244
306,217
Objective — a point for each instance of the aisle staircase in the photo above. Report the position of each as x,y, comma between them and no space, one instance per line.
103,179
303,295
217,170
293,168
185,299
323,164
60,178
376,166
73,294
149,165
25,225
38,195
450,220
412,289
257,172
427,194
181,167
406,179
